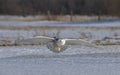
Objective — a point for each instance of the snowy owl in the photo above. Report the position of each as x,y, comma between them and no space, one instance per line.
53,43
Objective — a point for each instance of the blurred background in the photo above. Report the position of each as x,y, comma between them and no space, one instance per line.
52,9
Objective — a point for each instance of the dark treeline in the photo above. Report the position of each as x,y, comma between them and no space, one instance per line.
60,7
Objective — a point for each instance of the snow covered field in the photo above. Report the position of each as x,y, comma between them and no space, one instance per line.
95,31
38,60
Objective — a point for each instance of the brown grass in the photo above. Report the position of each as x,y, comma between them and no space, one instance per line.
59,27
36,27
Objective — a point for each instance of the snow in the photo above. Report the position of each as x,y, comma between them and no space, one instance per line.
113,22
34,60
76,60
